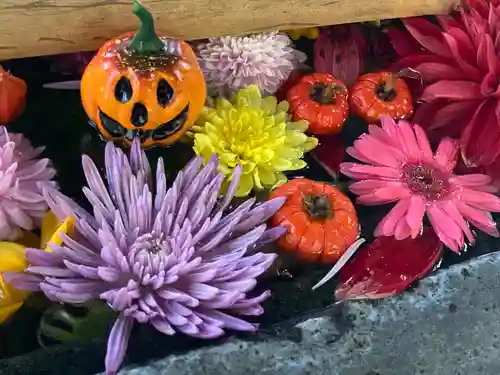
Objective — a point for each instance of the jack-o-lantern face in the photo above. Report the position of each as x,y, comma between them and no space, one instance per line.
152,95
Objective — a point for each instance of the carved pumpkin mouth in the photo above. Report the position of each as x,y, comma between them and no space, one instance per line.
116,130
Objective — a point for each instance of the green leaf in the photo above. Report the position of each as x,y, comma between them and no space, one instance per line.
86,322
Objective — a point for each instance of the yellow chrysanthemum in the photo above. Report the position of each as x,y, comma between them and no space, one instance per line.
309,33
255,132
13,259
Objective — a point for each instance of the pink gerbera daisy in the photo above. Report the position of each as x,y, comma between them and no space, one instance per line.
402,167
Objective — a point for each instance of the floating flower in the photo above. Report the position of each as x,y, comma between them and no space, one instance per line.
22,205
403,168
13,259
255,132
340,51
458,62
308,32
178,259
231,63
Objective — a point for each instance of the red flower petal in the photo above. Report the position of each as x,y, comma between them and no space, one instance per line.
412,61
387,266
452,90
330,153
435,71
493,170
428,35
486,56
462,56
447,22
481,137
402,42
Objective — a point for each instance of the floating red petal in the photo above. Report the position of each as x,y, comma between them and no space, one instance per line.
387,266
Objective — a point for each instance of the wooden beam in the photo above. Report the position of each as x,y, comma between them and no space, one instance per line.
44,27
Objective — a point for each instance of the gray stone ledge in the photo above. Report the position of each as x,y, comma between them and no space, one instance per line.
449,325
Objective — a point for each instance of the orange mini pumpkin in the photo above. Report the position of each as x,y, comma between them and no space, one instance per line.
12,96
381,94
321,220
322,100
143,86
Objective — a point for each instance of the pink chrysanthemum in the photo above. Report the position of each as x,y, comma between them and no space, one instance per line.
403,168
22,174
458,61
231,63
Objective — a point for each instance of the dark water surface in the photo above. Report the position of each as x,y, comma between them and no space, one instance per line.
56,119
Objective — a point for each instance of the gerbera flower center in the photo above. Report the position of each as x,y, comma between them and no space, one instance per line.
426,180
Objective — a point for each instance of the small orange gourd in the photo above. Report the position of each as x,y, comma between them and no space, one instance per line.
322,100
143,86
12,96
381,94
321,220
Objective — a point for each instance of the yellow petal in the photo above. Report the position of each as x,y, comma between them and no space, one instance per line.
280,164
290,153
294,34
256,179
7,311
248,167
269,105
295,139
49,225
282,106
300,126
297,164
267,177
313,33
10,295
280,180
245,186
29,239
310,144
12,257
66,227
266,155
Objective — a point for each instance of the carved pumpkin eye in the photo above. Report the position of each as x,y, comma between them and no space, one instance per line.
164,93
123,90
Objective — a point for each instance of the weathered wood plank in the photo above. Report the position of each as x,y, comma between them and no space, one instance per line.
42,27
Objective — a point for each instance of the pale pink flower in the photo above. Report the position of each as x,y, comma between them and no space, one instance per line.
401,167
231,63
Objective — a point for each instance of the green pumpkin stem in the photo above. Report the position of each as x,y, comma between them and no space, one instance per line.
145,41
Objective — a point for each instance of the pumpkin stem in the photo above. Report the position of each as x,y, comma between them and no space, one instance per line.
317,206
323,94
386,90
145,41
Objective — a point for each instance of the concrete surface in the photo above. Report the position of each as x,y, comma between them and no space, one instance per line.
449,325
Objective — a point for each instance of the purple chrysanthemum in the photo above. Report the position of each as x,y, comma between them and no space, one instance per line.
22,205
179,258
231,63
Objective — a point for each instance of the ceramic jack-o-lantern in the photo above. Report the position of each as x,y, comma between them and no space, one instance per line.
143,86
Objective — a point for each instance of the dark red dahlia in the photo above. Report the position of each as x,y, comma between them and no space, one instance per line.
458,60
